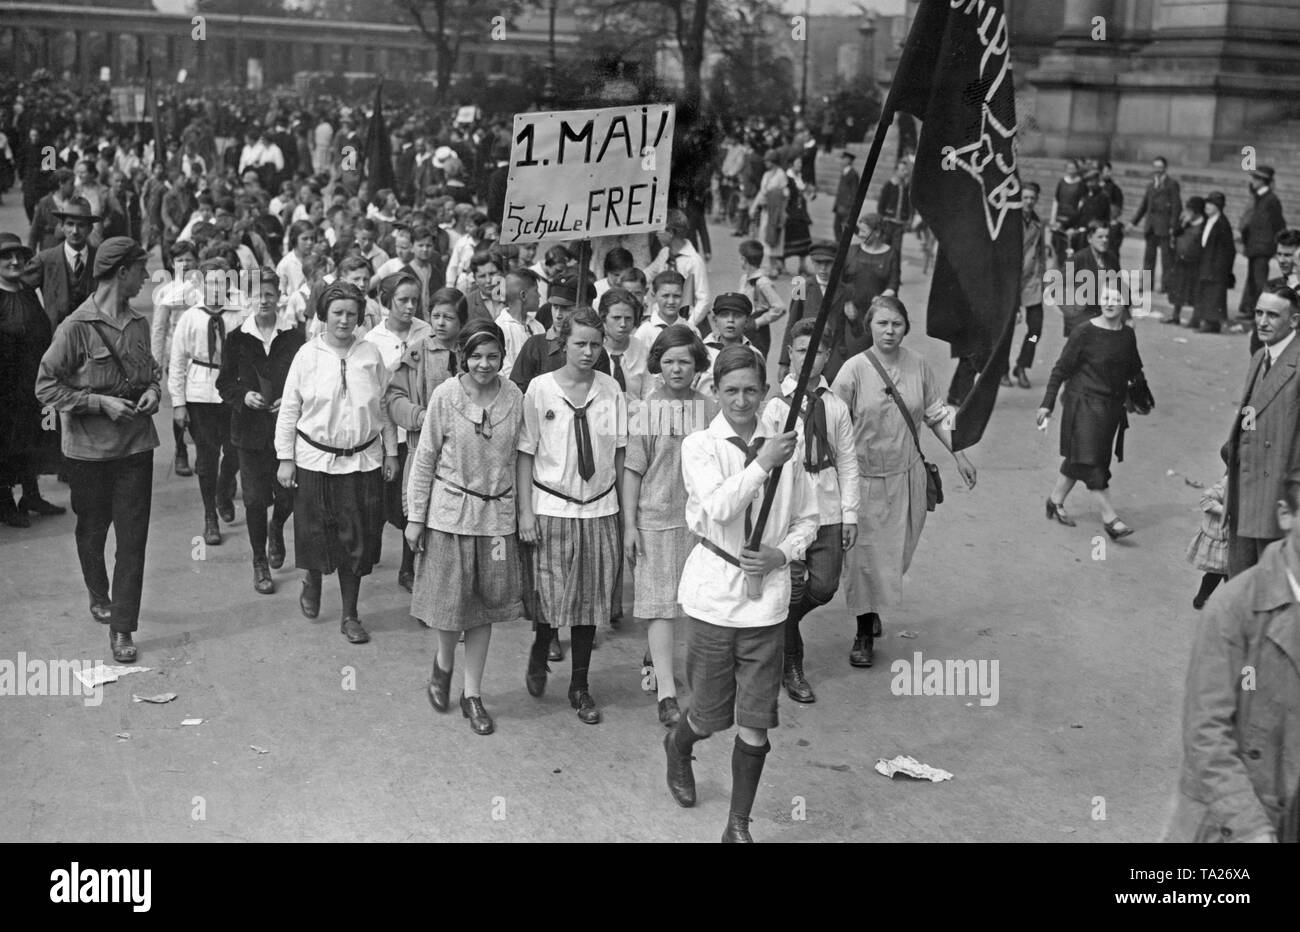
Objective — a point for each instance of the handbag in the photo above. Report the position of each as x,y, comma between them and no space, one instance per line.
1139,399
933,481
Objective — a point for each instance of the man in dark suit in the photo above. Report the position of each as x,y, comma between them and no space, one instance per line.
1262,447
1260,225
1214,277
63,272
845,194
1161,204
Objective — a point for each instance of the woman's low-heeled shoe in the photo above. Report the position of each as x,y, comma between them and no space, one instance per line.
1057,513
471,707
352,629
863,653
440,688
581,700
1117,529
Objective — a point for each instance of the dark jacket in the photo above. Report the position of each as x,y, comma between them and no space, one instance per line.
1260,225
846,191
247,367
1218,254
1160,206
60,292
888,206
1241,739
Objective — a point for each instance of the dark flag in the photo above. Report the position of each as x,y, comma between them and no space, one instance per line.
955,75
379,148
152,117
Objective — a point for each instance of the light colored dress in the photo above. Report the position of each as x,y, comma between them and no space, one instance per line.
891,472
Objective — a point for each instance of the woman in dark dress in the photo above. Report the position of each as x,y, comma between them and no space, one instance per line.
871,270
1099,361
798,225
24,337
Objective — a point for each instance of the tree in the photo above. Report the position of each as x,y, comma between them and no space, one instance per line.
694,26
448,23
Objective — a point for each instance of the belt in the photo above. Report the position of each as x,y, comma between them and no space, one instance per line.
206,365
569,498
339,451
487,498
710,545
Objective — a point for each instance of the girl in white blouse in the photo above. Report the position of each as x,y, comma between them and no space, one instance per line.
333,437
570,458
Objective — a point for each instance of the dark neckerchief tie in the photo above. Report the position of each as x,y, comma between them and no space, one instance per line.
582,436
617,370
216,336
817,453
343,375
451,362
751,451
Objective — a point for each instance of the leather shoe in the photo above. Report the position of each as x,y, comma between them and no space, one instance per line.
555,651
182,464
440,689
1021,379
581,700
309,599
681,777
262,581
535,678
863,653
226,510
1057,513
796,685
471,707
275,545
211,531
101,609
406,579
737,830
123,647
352,630
1005,381
669,712
39,506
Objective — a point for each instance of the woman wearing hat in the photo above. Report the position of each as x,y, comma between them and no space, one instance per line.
1214,276
24,337
1187,259
101,377
337,446
768,207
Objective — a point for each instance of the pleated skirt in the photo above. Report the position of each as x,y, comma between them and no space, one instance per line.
575,565
338,520
464,581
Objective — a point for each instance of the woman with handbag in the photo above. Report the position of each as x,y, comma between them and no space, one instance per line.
890,390
1104,370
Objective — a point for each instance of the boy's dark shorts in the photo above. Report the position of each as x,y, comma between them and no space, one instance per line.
734,675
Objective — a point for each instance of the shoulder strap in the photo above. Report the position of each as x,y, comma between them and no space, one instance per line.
893,393
108,345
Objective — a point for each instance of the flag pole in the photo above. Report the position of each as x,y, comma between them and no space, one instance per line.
754,583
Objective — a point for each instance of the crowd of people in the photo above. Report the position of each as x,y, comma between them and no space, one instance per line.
353,356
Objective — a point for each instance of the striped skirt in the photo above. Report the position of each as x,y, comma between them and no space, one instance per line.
338,520
463,581
660,557
575,564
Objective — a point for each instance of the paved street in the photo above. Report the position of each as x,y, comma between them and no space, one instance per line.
1090,652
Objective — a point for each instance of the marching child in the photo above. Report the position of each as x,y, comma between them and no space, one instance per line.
1208,551
570,457
656,540
733,657
829,457
769,307
667,289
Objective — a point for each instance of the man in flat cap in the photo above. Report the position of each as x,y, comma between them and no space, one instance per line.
64,271
1260,225
845,193
100,375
